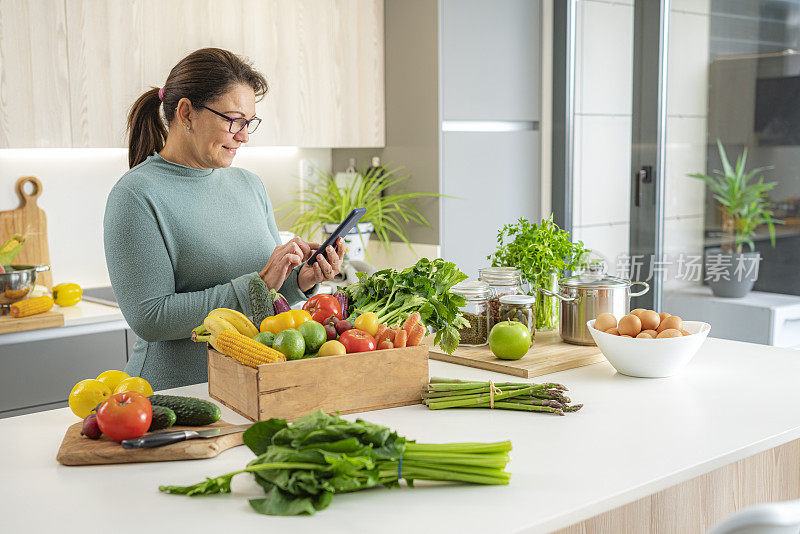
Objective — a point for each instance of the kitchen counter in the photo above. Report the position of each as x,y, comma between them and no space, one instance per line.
81,319
633,438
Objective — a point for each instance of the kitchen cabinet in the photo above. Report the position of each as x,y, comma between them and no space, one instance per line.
39,375
323,60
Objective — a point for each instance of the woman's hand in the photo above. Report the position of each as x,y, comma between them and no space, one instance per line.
284,258
324,268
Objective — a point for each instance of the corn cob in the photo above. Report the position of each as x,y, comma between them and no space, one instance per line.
246,350
32,306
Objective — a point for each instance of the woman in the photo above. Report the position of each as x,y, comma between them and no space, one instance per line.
184,231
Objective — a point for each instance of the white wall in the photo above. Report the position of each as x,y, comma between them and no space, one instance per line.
604,57
76,183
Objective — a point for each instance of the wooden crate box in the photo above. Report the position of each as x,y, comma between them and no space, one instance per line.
348,383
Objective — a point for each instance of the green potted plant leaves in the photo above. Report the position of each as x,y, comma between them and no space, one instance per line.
542,252
325,201
744,207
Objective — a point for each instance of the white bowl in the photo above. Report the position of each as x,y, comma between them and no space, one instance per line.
651,358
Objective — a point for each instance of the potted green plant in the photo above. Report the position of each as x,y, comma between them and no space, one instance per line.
744,206
323,203
542,252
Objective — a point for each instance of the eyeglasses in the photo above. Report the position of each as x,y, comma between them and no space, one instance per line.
237,124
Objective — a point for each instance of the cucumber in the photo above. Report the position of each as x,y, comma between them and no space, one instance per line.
189,411
163,418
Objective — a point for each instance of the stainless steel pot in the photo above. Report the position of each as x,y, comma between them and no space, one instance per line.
586,296
17,283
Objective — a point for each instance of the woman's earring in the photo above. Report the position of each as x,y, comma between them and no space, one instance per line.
187,127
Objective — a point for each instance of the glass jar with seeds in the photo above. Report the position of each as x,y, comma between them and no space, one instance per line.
502,281
520,308
475,311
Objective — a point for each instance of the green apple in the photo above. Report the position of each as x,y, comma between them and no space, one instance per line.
509,340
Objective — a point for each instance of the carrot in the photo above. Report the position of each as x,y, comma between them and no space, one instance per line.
416,335
386,344
392,334
379,332
382,336
413,319
400,339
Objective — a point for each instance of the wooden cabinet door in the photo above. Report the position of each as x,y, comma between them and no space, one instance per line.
71,70
34,90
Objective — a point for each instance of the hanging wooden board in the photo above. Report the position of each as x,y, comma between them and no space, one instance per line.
549,354
29,219
48,319
80,450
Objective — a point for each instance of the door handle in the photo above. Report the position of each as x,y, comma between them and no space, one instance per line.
642,176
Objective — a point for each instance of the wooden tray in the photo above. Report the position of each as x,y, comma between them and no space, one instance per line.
80,450
349,383
47,319
547,355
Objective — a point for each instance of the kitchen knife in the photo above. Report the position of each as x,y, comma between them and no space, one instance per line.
157,439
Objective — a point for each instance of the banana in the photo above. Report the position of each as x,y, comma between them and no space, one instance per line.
241,323
215,325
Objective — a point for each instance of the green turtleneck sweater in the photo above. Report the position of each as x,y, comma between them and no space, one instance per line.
179,242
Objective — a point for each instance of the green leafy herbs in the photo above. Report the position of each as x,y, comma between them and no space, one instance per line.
302,465
423,288
538,251
744,204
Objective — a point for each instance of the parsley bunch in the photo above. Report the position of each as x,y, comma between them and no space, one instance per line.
538,250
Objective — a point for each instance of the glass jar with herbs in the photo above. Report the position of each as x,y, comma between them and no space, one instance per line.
520,308
502,281
475,310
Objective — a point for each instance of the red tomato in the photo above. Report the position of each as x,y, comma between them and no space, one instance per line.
125,415
323,306
355,340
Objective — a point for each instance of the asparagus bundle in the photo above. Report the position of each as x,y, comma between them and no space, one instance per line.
444,393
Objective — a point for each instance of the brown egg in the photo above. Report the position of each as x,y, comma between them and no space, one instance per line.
685,333
630,325
669,332
644,335
663,315
612,331
652,333
673,321
638,311
605,321
627,336
650,320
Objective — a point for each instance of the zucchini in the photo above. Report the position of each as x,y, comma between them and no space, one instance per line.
260,300
189,411
163,417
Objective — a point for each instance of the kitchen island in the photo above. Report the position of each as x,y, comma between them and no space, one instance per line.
643,455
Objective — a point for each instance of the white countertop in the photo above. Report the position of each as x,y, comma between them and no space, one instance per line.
81,319
633,437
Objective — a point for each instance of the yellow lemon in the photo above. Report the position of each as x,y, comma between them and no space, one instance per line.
135,383
87,394
112,378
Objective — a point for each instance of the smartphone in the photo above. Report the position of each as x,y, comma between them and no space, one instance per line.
342,230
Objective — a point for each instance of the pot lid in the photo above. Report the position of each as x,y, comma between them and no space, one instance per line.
594,276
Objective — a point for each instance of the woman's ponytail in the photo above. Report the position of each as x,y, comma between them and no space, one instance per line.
147,133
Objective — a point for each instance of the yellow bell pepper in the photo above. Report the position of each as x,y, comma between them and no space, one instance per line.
283,321
67,294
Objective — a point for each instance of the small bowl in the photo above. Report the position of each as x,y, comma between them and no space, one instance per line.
16,283
651,358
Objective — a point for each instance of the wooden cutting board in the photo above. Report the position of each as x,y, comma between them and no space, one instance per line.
547,355
80,450
28,219
47,319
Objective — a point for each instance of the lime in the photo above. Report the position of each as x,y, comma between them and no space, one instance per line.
313,334
290,342
265,338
